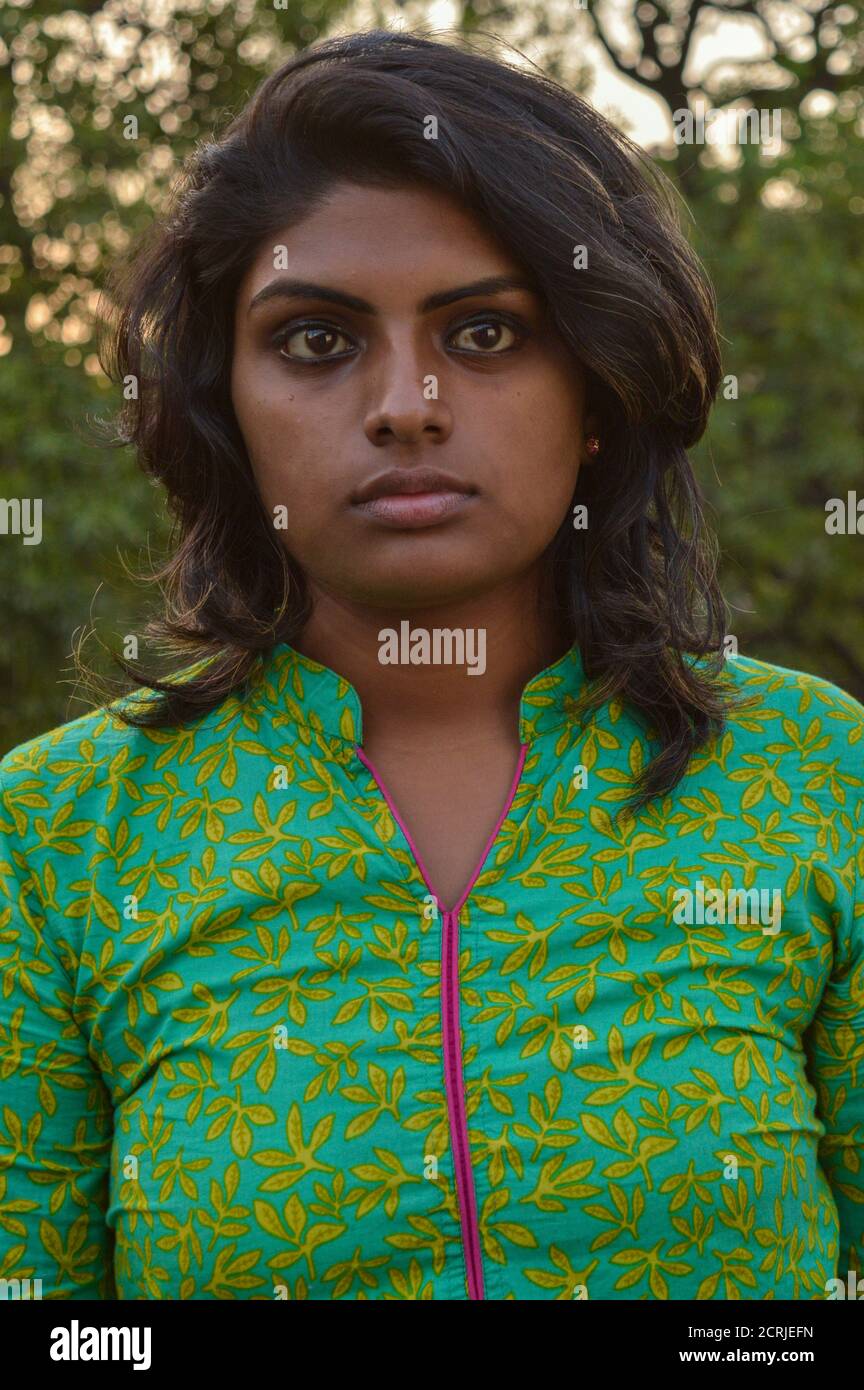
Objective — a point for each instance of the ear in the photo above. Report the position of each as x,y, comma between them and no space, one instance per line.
590,425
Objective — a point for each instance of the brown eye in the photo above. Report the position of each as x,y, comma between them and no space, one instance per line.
485,337
312,342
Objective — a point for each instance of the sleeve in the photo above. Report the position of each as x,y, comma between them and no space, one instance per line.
55,1110
834,1045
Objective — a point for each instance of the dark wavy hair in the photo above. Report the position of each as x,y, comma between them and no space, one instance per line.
637,588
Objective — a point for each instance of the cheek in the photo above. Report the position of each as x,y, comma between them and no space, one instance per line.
544,410
284,481
265,402
539,453
537,466
271,427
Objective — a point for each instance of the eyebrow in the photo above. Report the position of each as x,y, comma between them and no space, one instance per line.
305,289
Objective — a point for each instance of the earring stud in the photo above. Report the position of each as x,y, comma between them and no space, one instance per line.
592,444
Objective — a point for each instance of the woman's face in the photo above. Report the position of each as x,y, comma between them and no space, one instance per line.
389,360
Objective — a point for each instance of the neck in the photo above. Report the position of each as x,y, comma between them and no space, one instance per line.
522,637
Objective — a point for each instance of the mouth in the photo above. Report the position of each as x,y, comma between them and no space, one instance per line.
411,498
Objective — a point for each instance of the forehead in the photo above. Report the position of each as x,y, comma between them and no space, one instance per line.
360,234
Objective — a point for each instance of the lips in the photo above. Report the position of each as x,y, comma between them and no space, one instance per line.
408,482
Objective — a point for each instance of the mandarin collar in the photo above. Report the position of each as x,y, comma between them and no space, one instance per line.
325,702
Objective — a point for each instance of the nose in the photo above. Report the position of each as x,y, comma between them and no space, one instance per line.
405,402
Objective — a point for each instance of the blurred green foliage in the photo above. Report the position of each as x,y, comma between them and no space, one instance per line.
782,241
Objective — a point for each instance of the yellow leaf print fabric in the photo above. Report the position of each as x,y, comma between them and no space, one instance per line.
235,1017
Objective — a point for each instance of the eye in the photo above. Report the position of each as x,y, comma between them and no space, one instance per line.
486,336
313,342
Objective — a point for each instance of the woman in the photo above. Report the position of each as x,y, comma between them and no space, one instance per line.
459,923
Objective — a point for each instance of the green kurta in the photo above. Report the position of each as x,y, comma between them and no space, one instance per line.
246,1052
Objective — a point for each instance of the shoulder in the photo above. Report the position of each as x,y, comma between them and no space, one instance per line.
78,774
801,702
793,739
768,676
30,762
